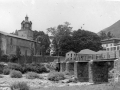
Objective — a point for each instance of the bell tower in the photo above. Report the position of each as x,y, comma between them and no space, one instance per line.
26,29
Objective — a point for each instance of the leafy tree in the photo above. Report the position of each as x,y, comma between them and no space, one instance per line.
81,39
44,43
58,33
109,35
103,35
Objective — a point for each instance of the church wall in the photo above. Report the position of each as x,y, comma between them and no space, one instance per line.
13,42
3,43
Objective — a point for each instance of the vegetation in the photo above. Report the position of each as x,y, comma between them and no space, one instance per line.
38,68
6,71
19,86
43,38
14,66
15,74
32,75
65,40
103,35
56,76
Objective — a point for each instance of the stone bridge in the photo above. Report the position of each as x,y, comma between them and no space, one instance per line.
93,71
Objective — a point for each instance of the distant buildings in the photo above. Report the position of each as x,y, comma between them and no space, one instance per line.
112,44
23,40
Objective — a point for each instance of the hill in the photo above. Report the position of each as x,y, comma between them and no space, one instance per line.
114,29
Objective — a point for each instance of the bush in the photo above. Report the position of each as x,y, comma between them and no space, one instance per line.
15,74
32,75
1,76
6,71
51,66
13,58
56,76
19,86
14,66
38,68
5,58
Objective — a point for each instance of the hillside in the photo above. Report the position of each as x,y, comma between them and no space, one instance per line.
114,29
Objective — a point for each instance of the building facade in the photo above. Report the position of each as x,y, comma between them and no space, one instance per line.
24,40
112,44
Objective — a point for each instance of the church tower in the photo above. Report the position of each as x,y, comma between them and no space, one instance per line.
26,29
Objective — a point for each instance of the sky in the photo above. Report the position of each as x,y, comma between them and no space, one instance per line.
92,15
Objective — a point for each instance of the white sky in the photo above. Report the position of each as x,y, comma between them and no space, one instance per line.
95,14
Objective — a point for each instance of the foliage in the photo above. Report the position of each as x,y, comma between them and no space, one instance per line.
14,66
83,39
103,35
6,71
19,86
13,58
38,68
32,75
59,33
56,76
1,76
65,40
43,38
51,66
15,74
5,58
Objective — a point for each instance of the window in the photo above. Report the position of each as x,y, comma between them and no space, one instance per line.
114,48
71,54
68,54
107,49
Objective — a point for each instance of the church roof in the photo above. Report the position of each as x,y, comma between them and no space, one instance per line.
11,35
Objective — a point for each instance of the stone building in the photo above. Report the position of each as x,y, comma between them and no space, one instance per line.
23,40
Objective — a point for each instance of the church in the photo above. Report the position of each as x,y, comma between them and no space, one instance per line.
22,39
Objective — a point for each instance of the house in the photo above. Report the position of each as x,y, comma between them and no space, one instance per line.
71,55
112,44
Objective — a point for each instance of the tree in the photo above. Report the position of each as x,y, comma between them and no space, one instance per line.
18,53
103,35
81,39
44,42
109,35
58,33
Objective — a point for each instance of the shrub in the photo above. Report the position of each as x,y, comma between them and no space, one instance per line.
1,76
13,58
32,75
38,68
19,86
56,76
4,58
51,66
15,74
14,66
6,71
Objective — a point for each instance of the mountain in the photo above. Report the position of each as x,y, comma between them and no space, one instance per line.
114,29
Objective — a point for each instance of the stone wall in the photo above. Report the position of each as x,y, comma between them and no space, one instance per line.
100,72
82,71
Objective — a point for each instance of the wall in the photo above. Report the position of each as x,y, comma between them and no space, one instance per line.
13,42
